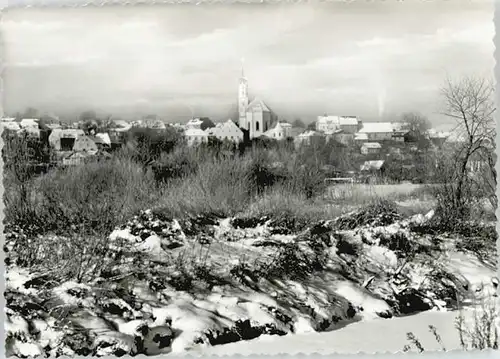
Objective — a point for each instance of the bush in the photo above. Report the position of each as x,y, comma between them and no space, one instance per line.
92,197
294,262
148,144
218,187
180,163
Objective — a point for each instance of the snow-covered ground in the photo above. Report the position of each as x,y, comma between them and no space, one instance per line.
171,287
369,336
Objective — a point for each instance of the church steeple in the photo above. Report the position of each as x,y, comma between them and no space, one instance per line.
242,97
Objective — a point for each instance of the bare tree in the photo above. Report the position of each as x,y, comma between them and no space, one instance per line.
417,125
470,102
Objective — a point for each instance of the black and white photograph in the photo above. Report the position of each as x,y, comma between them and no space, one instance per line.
249,178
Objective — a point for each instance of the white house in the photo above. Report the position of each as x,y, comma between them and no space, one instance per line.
370,148
195,136
29,122
327,124
330,124
71,140
383,131
226,131
308,138
281,131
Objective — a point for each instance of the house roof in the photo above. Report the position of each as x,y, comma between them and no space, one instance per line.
29,122
257,102
372,145
221,126
102,138
372,165
377,127
13,126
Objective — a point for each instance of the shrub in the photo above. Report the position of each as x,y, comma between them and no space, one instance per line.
148,144
92,197
180,163
294,262
219,187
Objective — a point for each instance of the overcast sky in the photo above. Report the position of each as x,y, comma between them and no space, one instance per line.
371,59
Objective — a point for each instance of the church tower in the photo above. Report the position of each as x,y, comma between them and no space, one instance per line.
242,98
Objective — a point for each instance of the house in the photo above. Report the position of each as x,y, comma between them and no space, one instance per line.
308,138
327,124
195,136
330,124
349,124
281,131
71,140
370,148
29,122
226,131
377,131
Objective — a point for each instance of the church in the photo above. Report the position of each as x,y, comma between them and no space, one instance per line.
254,116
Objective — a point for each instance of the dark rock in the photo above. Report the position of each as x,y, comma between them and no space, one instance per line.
411,301
248,222
164,341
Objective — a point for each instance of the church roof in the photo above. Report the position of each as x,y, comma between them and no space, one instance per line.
257,102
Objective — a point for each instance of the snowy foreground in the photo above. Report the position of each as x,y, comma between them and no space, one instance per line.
369,336
198,285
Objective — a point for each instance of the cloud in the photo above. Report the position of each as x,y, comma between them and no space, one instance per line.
304,59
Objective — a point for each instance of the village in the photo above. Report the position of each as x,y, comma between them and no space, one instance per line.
372,143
